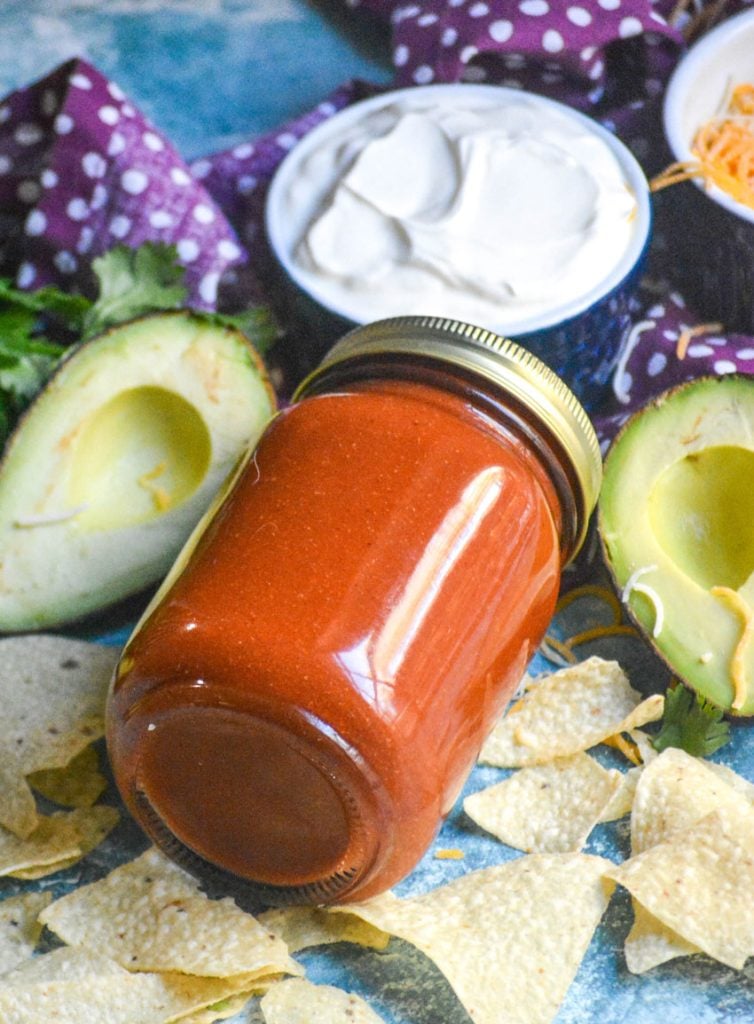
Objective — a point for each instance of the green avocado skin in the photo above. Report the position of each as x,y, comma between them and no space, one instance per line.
117,458
676,523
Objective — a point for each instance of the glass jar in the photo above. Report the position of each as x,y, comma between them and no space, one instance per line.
302,701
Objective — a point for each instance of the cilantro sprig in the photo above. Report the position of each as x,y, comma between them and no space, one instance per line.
36,328
133,282
691,723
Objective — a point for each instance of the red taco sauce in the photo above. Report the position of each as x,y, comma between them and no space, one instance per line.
304,698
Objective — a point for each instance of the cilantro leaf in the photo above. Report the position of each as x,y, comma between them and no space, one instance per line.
27,358
133,282
256,322
691,723
47,302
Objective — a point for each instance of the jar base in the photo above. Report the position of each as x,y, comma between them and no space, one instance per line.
219,791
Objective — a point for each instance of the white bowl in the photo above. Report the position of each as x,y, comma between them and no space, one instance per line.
709,235
584,353
698,86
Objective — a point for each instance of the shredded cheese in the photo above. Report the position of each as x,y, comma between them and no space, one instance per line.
689,333
741,608
50,518
724,151
160,495
599,633
656,601
621,378
627,747
591,590
634,587
449,854
557,652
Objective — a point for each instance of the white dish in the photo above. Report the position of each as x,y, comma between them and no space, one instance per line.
284,231
698,87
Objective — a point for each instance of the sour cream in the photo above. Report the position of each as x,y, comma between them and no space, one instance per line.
481,205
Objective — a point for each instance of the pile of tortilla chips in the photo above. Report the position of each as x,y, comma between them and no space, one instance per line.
561,792
692,822
52,695
144,945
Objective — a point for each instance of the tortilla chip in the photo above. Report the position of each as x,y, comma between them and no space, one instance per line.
675,791
509,938
52,692
699,884
92,824
19,928
296,1001
150,915
567,712
79,784
548,808
644,745
55,839
734,780
303,927
651,943
74,986
622,800
218,1011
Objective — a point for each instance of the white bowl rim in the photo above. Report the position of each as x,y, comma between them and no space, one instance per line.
684,73
565,311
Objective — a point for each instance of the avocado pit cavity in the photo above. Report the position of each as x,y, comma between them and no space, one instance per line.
702,513
140,454
676,521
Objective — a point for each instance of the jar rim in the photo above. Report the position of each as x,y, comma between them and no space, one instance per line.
511,367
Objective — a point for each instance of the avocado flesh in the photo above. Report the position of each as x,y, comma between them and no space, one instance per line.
116,460
676,514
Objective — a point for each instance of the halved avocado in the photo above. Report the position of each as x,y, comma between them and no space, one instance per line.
117,458
676,519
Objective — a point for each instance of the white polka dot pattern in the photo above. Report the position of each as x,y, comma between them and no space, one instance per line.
97,173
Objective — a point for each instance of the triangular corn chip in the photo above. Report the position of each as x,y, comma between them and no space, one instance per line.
150,915
20,928
74,986
509,938
78,784
52,692
548,808
700,884
302,927
296,1001
675,791
567,712
53,841
91,825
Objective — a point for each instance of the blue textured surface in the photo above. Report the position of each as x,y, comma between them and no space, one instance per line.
212,73
209,73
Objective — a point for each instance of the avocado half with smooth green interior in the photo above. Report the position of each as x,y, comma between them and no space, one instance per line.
117,458
676,520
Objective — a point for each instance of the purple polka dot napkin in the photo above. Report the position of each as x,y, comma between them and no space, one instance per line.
81,170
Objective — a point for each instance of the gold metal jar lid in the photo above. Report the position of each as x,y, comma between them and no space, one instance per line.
529,381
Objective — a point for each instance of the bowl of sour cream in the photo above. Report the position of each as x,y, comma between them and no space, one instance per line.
473,202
